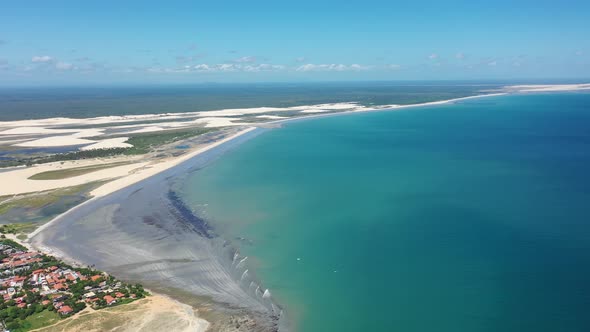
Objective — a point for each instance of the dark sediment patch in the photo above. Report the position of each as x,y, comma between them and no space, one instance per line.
182,212
145,233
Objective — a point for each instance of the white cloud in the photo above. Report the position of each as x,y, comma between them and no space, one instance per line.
330,67
42,58
393,66
246,59
492,63
433,56
460,56
202,67
64,66
300,59
579,53
263,67
227,67
231,67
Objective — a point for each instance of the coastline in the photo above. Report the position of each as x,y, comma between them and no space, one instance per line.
269,316
172,168
121,183
126,240
390,108
118,184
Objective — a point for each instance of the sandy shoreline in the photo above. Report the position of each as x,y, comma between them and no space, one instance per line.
109,207
138,235
150,171
122,199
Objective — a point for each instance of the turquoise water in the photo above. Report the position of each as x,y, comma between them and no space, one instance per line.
466,217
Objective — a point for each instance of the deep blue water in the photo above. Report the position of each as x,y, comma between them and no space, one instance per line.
466,217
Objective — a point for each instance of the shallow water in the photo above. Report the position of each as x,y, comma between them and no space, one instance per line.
466,217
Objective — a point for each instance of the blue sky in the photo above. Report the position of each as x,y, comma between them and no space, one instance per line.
60,42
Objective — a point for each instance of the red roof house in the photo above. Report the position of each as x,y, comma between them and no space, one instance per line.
65,310
110,300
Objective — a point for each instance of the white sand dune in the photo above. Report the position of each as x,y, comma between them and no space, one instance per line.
548,87
16,181
118,142
240,111
217,122
271,117
145,130
54,141
36,131
88,132
159,167
316,110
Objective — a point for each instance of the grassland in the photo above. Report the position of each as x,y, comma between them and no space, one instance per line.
40,199
31,210
150,315
71,172
19,229
36,321
142,143
146,142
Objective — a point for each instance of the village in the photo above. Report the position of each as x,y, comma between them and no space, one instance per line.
34,285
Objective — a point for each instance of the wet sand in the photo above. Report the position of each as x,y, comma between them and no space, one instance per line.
144,233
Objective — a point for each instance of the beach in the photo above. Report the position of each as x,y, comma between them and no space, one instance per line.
139,233
137,228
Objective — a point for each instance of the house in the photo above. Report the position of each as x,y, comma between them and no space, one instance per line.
109,299
119,295
89,295
65,310
59,287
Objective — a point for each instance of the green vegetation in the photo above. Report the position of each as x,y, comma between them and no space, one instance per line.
13,244
142,143
38,320
125,123
71,172
64,157
17,319
21,214
26,308
41,199
18,229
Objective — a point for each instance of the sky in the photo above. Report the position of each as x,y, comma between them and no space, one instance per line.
101,42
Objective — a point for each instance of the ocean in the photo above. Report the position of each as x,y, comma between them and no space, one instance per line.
85,102
464,217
